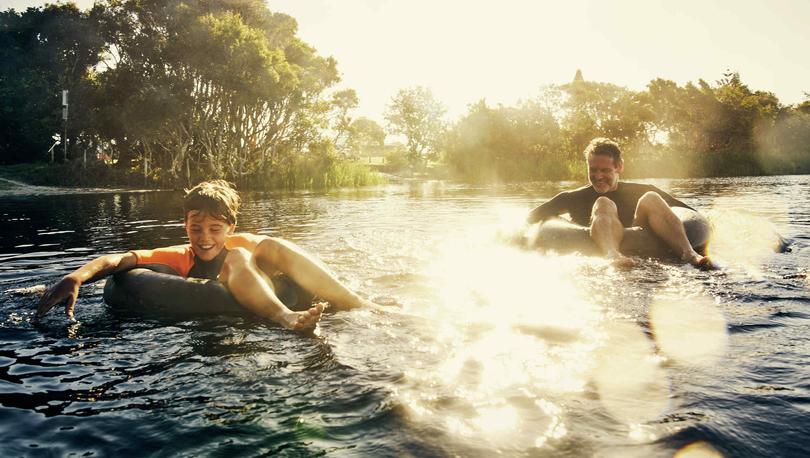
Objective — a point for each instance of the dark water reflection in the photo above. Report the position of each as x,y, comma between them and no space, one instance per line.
493,350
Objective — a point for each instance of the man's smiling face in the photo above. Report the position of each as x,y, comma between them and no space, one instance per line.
603,173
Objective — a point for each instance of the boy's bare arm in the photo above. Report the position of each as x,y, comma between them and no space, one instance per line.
245,240
68,287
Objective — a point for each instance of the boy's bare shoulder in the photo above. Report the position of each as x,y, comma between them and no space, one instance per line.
244,240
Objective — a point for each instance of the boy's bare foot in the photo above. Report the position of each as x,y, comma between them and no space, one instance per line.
303,320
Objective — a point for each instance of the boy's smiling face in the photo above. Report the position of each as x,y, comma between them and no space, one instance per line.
207,234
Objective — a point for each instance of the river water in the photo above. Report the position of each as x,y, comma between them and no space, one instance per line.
483,348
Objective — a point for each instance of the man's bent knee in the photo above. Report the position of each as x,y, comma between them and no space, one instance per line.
651,199
604,207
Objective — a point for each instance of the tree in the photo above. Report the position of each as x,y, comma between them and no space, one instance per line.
43,51
804,107
204,88
714,127
507,144
342,103
594,109
417,115
366,137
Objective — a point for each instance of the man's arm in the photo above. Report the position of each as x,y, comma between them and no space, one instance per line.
550,209
671,201
68,286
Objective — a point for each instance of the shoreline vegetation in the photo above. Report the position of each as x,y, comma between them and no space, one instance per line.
163,94
95,175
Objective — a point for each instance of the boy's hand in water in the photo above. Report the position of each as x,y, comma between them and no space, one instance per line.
66,290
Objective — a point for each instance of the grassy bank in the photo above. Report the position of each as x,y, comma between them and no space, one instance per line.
70,174
98,175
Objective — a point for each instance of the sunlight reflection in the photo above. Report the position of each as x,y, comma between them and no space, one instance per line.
631,383
496,419
502,285
698,450
512,331
689,330
641,433
73,329
556,428
743,238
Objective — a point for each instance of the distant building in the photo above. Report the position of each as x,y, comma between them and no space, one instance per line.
375,160
578,76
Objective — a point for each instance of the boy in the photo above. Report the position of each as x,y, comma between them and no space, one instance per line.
244,263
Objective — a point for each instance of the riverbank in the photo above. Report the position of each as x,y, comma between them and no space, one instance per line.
71,174
98,175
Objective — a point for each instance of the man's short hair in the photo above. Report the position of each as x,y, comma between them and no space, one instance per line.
604,147
217,198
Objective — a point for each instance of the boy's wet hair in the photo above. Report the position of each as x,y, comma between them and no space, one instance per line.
217,198
604,147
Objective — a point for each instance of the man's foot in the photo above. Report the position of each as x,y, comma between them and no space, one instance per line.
307,319
621,261
702,262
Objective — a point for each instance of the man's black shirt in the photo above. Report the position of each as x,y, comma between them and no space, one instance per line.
579,203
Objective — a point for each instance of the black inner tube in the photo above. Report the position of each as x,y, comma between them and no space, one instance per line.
563,236
145,290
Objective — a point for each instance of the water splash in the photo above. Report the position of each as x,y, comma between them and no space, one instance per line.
514,336
743,239
690,330
631,383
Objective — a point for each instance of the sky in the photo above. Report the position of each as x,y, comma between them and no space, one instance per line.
508,50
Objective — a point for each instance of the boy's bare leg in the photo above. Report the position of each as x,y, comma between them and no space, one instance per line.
652,211
254,291
607,231
274,254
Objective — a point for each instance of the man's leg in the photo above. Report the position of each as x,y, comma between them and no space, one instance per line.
653,212
278,255
254,291
607,231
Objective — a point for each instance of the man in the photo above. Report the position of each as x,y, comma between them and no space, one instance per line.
608,206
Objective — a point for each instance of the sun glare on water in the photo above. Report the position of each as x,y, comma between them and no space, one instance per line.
516,347
692,331
742,239
515,337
